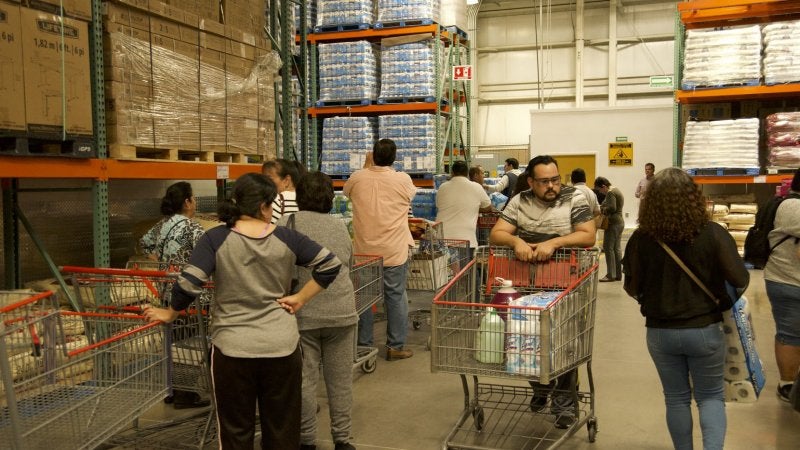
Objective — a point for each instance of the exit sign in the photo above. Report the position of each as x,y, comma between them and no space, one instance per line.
462,73
664,81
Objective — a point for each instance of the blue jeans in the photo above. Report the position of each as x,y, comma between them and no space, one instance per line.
785,301
612,247
396,302
697,353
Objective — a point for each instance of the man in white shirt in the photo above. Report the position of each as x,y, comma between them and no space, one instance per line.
641,188
458,202
509,179
578,178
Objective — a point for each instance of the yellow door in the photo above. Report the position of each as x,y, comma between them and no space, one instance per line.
568,163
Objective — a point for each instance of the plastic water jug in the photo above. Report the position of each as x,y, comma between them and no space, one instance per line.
491,338
504,296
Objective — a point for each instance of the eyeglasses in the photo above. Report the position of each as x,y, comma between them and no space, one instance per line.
555,181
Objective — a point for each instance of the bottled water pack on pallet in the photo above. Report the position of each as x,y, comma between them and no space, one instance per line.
345,143
348,71
415,137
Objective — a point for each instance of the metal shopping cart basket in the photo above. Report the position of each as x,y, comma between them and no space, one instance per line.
104,289
72,379
546,333
433,262
486,221
366,273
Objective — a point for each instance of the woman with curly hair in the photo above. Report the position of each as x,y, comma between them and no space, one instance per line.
684,326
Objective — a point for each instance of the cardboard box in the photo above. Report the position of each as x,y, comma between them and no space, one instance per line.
126,15
213,42
79,9
212,132
212,83
240,49
12,82
165,27
212,26
242,135
43,52
427,274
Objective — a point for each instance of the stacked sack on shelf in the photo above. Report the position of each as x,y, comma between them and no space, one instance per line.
416,137
744,375
721,144
737,219
348,71
715,58
783,139
781,52
345,143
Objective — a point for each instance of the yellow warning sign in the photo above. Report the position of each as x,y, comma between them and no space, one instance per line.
620,153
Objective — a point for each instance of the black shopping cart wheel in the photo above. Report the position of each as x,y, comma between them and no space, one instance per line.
369,365
477,414
591,427
417,324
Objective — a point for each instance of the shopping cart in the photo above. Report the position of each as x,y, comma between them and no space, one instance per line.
106,289
546,333
433,262
485,224
73,391
366,274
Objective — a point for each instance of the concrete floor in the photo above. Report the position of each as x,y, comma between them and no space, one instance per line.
402,405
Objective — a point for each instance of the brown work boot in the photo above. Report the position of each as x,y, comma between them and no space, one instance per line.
393,354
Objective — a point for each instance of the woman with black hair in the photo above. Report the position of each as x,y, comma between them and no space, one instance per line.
255,356
285,174
173,238
328,325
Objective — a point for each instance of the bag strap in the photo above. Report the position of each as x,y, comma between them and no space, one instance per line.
688,272
164,241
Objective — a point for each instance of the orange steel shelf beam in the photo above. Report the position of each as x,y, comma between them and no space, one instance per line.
375,33
392,108
737,93
711,13
741,179
107,169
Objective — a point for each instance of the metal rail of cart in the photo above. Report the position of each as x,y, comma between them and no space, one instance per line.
73,379
108,289
433,262
546,333
486,221
366,273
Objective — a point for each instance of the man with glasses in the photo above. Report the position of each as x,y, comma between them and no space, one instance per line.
535,224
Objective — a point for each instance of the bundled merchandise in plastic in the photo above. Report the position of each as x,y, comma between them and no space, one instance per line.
400,10
311,15
783,139
782,52
345,143
344,12
348,71
721,144
423,204
408,69
415,137
453,12
715,58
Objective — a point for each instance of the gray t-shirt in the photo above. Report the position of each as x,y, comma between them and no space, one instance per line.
250,274
783,265
537,221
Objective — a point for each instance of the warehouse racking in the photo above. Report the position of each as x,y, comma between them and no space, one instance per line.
719,13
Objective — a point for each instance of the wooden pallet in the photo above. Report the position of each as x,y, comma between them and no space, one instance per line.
27,144
132,152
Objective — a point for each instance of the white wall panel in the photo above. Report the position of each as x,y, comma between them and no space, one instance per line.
650,58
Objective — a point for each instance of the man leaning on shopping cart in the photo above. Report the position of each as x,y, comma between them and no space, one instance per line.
535,223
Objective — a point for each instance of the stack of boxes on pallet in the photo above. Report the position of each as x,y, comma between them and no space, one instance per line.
180,81
45,77
742,56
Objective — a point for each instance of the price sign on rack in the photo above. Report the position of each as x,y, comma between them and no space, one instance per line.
462,73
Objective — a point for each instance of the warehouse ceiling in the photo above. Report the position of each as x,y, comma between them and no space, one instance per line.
488,6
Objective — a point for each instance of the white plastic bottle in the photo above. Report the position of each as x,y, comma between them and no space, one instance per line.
490,341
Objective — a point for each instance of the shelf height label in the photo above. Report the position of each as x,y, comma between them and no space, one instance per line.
462,73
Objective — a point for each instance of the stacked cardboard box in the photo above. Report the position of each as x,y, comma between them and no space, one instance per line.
44,81
174,80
